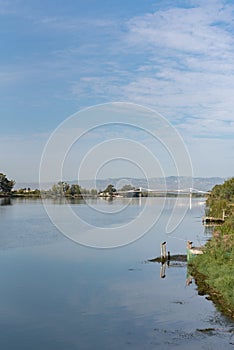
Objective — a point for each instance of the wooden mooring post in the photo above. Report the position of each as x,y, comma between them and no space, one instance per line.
163,249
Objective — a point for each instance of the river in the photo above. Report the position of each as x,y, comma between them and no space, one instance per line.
58,294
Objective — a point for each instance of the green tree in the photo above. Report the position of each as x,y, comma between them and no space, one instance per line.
84,191
61,188
110,190
221,198
74,190
6,185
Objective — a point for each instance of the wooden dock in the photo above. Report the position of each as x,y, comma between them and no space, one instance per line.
210,220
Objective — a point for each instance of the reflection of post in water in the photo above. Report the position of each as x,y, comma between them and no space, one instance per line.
5,201
163,270
165,259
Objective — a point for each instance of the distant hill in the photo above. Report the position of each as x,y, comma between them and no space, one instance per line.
171,183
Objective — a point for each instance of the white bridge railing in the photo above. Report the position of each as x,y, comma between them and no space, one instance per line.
172,191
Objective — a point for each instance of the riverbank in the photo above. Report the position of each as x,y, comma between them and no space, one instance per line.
205,288
214,270
47,194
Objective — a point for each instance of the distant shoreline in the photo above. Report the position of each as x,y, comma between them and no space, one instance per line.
169,182
44,196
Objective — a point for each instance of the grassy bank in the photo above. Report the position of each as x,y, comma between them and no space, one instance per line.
214,270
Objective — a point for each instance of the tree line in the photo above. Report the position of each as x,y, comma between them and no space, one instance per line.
6,185
64,189
221,198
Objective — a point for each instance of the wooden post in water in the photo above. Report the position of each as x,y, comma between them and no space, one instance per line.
168,258
163,251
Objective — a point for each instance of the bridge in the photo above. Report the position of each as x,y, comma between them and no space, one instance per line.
138,192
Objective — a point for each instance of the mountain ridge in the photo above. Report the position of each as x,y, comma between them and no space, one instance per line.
169,183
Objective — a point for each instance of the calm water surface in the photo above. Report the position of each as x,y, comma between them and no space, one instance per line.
57,294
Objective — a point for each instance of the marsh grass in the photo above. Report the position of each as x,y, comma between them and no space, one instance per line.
215,268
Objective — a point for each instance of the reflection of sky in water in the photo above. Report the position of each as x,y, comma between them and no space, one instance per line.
60,295
107,215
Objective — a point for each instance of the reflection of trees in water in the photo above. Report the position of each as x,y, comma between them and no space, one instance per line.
5,201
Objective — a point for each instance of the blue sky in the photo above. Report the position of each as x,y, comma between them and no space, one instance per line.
57,57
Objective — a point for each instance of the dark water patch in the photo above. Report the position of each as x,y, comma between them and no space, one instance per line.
178,302
194,339
176,257
206,330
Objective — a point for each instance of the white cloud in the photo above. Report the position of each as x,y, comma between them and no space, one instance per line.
178,61
187,30
183,64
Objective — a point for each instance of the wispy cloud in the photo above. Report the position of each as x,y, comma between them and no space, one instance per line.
183,64
8,76
177,59
202,29
7,7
